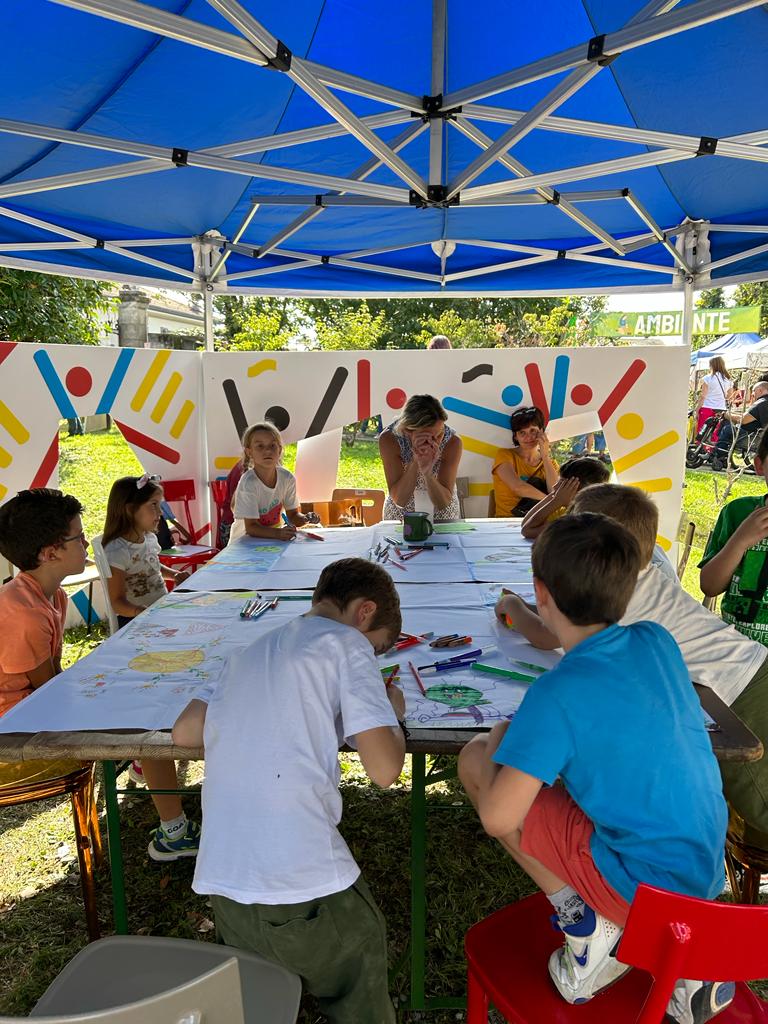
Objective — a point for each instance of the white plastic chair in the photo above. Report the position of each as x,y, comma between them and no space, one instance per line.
137,979
213,998
105,573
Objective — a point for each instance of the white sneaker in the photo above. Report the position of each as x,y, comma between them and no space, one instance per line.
695,1002
136,773
587,963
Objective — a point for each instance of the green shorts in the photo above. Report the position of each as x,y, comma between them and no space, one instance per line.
745,784
337,945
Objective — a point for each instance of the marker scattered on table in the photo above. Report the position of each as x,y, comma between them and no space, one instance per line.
417,677
531,665
505,673
302,533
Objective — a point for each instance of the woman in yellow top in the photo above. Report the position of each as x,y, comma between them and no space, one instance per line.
525,472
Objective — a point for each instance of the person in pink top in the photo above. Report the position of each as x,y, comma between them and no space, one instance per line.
41,533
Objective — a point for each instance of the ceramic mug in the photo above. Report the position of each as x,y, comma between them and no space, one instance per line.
416,526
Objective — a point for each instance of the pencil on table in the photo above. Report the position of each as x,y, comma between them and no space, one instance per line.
417,677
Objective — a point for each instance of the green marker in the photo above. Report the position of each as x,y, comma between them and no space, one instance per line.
295,597
491,670
530,665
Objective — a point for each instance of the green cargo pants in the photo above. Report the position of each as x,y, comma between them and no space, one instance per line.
337,945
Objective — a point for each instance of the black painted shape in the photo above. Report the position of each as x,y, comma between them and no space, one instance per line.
279,416
235,407
477,371
328,401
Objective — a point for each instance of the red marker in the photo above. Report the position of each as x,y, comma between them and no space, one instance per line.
417,677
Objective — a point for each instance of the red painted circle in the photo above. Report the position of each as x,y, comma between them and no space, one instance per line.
396,398
79,381
581,394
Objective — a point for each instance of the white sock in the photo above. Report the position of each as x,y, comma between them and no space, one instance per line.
175,825
568,905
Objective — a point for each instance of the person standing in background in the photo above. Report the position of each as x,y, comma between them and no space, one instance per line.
713,396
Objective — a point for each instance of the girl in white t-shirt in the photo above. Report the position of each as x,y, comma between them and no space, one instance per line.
267,491
714,394
132,550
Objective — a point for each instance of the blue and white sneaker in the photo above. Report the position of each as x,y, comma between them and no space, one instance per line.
587,963
185,844
696,1002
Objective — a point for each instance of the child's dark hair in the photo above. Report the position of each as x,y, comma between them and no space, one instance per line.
125,499
761,452
589,564
587,471
630,506
343,581
525,417
34,520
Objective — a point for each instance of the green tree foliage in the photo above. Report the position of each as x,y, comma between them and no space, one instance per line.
51,310
350,328
572,321
264,324
754,293
710,298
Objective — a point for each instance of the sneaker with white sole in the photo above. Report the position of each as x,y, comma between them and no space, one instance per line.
696,1002
587,963
185,844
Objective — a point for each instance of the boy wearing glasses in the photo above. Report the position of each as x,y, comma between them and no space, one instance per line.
41,533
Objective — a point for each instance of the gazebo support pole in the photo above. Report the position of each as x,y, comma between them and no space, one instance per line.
208,317
688,282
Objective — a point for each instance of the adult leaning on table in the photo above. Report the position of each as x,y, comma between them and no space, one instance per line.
421,456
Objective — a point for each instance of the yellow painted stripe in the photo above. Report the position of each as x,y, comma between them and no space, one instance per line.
224,462
3,491
645,451
661,483
663,542
263,364
150,379
17,430
170,389
482,490
5,458
181,420
480,447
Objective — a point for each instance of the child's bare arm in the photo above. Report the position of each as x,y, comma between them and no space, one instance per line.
527,621
45,671
505,798
716,574
188,728
118,597
382,750
561,496
254,529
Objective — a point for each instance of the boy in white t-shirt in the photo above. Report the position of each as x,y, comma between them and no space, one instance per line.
715,653
265,503
282,881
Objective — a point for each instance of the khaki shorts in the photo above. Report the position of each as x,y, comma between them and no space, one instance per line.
337,944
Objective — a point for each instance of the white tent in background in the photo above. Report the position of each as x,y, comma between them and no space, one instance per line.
735,350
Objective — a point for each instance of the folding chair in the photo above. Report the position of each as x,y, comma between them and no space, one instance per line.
28,781
105,573
218,985
186,555
667,937
372,502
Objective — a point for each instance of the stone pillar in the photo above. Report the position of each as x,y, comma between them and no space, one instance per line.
132,318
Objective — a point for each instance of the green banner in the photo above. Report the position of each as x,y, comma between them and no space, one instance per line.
735,320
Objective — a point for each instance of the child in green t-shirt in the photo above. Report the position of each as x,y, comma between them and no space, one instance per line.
735,563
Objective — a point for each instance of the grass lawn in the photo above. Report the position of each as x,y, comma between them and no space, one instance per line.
41,918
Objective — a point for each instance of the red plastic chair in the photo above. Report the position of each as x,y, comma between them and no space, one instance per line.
188,555
667,937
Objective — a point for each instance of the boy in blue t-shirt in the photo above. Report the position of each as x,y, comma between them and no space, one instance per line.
619,724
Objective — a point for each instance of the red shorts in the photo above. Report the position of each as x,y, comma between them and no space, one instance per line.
556,832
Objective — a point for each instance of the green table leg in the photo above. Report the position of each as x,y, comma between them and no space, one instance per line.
418,879
115,849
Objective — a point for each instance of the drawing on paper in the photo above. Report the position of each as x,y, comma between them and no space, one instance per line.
459,704
164,662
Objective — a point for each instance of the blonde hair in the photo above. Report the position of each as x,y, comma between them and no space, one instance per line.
264,425
717,365
627,505
420,411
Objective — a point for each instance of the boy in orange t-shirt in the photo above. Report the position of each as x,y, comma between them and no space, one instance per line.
41,533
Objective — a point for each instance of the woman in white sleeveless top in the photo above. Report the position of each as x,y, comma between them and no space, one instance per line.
421,455
713,396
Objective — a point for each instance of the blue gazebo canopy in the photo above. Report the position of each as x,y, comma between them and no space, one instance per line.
407,147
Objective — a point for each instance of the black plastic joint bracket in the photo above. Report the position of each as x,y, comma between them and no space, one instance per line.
437,193
282,59
596,52
555,200
319,200
325,260
180,157
416,200
707,146
625,192
432,105
99,243
561,254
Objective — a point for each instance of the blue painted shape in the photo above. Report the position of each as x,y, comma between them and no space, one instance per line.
477,412
115,381
80,600
512,395
559,387
51,378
